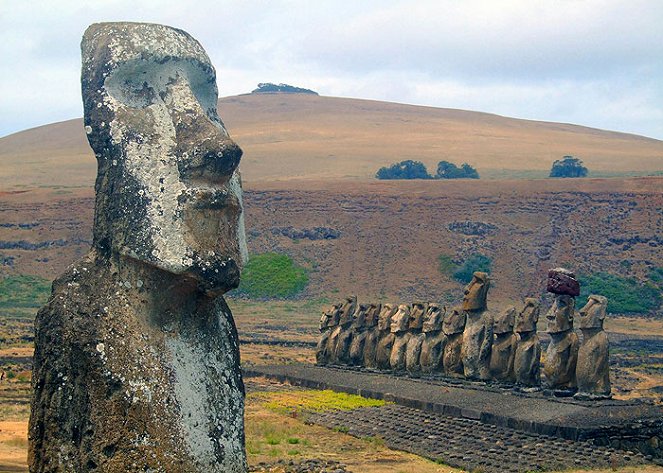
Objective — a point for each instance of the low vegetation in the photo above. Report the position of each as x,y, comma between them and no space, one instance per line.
625,295
269,88
294,403
410,169
463,272
22,293
568,166
272,276
447,170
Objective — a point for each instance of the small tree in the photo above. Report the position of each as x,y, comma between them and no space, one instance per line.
404,170
568,166
447,170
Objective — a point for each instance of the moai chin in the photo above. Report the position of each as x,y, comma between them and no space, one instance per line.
562,352
136,364
385,337
504,346
328,322
400,323
359,334
341,337
413,351
432,347
527,361
372,335
453,327
593,368
478,333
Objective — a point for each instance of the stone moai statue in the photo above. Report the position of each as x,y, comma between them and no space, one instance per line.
359,333
478,333
413,350
504,346
527,361
562,353
136,363
372,335
453,328
593,369
400,327
328,322
386,337
342,336
432,347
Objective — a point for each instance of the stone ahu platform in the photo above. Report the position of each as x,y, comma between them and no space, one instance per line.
624,425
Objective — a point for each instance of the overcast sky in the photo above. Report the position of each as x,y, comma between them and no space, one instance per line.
597,62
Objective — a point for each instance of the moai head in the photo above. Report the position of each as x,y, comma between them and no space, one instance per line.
527,318
386,313
359,317
505,320
476,292
433,318
454,321
400,321
372,315
168,191
330,317
417,314
348,311
562,281
593,314
560,315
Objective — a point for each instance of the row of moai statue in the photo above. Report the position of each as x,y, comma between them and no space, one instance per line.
469,341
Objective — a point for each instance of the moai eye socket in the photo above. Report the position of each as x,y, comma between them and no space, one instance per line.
132,85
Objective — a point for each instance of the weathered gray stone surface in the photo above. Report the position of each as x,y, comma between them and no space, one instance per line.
432,347
593,370
478,333
527,360
372,335
562,352
328,322
413,350
341,337
136,364
359,334
399,327
504,346
386,337
453,327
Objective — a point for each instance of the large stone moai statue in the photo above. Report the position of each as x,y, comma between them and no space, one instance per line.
527,361
385,337
400,327
359,333
562,353
372,335
413,351
328,322
504,346
593,369
341,338
432,347
136,364
478,333
453,328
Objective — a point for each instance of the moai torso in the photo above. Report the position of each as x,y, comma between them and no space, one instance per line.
527,360
478,333
372,335
453,327
386,337
342,336
400,328
593,368
136,364
328,322
432,347
413,350
562,352
359,333
504,346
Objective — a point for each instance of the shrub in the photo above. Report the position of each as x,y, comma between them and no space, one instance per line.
568,166
625,295
24,291
446,265
404,170
272,275
447,170
475,262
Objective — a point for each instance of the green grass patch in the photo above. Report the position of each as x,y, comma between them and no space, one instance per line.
23,291
272,276
625,295
294,402
475,262
446,265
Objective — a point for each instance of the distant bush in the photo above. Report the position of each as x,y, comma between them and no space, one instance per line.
272,275
24,291
446,265
625,295
404,170
269,88
447,170
568,166
475,262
